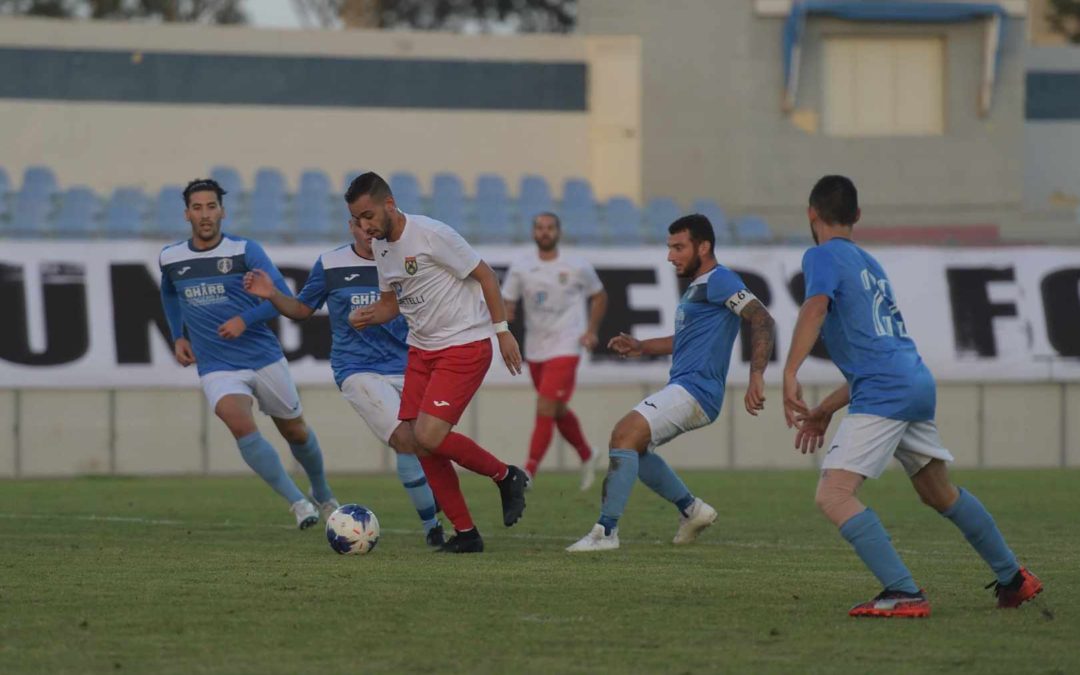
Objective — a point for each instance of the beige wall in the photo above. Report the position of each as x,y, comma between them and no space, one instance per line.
105,145
148,432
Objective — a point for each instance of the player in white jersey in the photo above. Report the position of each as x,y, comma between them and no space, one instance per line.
450,298
555,287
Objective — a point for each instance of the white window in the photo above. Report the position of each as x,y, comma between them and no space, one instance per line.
885,86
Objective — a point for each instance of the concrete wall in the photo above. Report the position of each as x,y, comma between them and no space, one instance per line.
713,125
1052,144
151,432
107,143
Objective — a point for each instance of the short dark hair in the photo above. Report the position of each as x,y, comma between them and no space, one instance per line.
558,223
698,226
204,185
369,183
836,200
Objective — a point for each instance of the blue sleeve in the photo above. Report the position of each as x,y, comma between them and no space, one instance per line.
314,293
722,285
820,273
255,258
170,301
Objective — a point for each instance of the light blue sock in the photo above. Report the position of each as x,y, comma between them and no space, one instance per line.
309,455
264,460
412,477
622,472
872,543
661,479
983,534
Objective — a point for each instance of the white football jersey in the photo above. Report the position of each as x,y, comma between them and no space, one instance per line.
428,269
554,293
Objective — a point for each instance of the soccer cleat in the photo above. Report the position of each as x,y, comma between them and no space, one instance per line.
327,508
435,537
894,603
305,512
528,480
699,516
596,540
512,490
463,542
1023,587
588,470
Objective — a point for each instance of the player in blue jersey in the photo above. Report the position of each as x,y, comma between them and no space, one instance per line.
709,316
220,328
368,365
892,397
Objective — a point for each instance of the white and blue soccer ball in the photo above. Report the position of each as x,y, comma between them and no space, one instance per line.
352,529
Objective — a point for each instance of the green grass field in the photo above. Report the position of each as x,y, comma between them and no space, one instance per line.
206,575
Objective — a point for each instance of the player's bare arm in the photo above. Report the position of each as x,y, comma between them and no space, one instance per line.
813,425
627,346
807,328
259,284
762,339
597,309
386,309
508,345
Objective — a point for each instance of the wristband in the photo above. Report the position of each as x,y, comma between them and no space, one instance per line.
501,327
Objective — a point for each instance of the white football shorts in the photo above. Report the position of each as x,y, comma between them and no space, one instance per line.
864,444
272,386
670,412
377,399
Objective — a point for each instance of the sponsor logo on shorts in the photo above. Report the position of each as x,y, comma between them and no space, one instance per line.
441,404
832,448
382,254
651,405
224,265
411,266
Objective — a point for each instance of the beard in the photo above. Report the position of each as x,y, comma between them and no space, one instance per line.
384,224
692,267
215,228
547,245
813,233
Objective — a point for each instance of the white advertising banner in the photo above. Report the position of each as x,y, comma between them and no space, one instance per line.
88,314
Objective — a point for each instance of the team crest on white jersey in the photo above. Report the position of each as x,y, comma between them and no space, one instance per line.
564,277
411,265
224,265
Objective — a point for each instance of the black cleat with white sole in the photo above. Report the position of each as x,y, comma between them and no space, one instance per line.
435,537
512,490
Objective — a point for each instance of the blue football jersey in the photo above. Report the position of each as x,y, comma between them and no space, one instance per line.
344,281
705,330
866,336
200,290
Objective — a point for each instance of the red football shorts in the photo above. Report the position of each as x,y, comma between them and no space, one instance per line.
442,382
555,378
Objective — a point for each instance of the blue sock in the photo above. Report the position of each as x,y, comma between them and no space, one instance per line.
264,460
622,472
983,534
412,477
661,479
866,533
309,455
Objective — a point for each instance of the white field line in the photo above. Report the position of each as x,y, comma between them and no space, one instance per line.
134,520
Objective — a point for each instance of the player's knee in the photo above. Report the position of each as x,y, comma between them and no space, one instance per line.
401,440
294,432
560,409
626,436
428,440
547,407
835,498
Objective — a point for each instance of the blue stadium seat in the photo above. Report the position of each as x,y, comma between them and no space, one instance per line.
715,213
124,213
350,176
623,222
534,197
229,179
269,184
312,216
448,200
581,224
168,214
406,189
577,193
752,230
267,219
5,188
79,209
30,216
39,180
314,182
491,208
659,213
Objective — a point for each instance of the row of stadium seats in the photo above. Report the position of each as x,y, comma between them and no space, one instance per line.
316,209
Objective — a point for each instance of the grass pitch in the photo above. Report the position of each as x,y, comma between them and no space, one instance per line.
206,576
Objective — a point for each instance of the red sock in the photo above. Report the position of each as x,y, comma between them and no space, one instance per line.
444,484
570,428
468,454
541,439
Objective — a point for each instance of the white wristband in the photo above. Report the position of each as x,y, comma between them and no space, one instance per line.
501,327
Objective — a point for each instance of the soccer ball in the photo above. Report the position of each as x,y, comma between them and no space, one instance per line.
352,529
